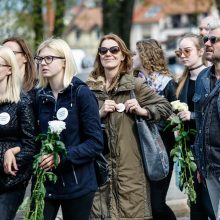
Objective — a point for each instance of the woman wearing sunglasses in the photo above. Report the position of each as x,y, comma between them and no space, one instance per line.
17,136
190,53
127,195
150,61
64,97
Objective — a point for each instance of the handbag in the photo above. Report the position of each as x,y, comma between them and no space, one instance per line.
101,170
153,152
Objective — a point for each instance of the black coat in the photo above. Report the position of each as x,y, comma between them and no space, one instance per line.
18,130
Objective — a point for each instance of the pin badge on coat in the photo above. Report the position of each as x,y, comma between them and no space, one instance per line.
4,118
120,107
62,114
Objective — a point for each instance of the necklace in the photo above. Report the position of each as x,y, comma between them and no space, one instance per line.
196,67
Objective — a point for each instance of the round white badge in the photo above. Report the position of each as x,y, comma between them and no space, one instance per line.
120,107
4,118
62,114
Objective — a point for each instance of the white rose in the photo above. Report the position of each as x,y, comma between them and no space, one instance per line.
57,126
179,106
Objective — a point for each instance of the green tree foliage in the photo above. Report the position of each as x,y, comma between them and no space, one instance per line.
117,18
59,15
38,22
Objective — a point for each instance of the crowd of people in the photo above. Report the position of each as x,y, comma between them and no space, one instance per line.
37,89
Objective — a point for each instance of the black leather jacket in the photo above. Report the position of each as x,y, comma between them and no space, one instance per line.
17,128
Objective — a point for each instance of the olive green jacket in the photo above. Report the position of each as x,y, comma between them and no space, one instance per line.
127,195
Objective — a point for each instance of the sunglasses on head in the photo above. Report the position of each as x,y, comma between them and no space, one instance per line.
104,50
212,39
186,52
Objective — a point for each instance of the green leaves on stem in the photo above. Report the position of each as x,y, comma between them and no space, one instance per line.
50,144
182,155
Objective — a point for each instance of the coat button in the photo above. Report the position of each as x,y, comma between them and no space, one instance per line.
206,95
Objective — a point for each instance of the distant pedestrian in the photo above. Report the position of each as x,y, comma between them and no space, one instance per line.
150,61
127,195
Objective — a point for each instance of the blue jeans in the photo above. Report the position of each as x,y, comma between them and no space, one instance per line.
10,202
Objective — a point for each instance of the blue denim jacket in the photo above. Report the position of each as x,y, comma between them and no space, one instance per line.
205,153
82,137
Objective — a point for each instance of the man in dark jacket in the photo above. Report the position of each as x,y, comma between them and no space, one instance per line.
207,108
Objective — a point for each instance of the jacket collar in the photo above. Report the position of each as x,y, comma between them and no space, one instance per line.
124,82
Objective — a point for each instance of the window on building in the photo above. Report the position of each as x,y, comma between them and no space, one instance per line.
176,21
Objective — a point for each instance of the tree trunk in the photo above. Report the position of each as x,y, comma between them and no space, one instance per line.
59,15
117,18
38,22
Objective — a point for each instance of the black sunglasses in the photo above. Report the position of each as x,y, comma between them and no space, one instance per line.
104,50
212,39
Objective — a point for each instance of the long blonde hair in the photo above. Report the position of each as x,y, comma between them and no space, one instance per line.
14,83
198,42
62,49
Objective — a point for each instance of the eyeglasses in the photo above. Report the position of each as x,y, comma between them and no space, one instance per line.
47,59
16,52
186,52
212,39
2,65
104,50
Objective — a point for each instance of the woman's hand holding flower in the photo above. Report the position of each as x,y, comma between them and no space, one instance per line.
47,162
184,115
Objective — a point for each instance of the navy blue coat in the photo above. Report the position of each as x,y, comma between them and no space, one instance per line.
82,137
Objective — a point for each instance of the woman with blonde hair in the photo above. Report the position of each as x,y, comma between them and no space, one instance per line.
64,97
127,194
190,53
17,146
149,60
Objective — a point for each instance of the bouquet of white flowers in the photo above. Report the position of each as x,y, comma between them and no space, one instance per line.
50,144
181,152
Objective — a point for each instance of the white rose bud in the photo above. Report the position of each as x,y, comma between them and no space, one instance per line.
57,126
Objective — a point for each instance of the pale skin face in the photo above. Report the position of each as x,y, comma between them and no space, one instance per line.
203,27
111,62
20,56
53,71
212,51
4,72
195,57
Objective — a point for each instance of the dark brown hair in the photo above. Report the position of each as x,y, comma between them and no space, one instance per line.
30,75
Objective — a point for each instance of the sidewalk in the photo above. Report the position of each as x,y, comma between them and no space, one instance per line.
177,201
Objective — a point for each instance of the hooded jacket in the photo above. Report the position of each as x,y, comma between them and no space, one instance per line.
82,137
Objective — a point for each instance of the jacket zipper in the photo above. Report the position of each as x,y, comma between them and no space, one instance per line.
74,173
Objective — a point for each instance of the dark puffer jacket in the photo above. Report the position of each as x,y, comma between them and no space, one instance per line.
19,131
